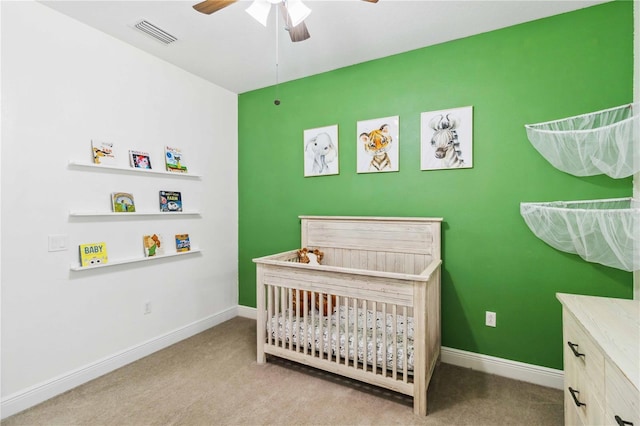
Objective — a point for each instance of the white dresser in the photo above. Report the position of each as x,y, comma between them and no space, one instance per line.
601,360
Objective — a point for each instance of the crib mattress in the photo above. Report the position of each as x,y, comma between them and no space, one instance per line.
333,335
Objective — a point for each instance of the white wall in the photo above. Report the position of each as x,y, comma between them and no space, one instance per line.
636,98
64,83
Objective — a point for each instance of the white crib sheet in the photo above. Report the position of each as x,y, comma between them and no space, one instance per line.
280,327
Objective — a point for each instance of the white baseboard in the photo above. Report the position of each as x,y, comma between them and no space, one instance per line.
34,395
247,312
530,373
488,364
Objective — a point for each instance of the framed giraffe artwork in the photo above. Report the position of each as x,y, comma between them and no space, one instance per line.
378,145
446,139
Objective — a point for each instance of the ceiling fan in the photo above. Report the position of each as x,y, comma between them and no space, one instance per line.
293,11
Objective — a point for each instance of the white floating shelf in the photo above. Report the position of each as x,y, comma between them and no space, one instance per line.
131,169
77,267
77,213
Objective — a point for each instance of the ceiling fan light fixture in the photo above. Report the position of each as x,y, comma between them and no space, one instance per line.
297,11
259,10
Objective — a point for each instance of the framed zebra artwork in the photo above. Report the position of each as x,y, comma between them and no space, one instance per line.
321,151
446,139
378,145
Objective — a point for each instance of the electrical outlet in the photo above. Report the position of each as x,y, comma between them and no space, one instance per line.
146,308
490,319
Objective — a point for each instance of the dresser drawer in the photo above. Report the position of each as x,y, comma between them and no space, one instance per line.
571,417
622,398
581,396
580,349
583,376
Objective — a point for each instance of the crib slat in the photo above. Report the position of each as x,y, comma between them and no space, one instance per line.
365,335
313,323
276,313
276,325
276,308
270,324
329,327
277,300
281,312
267,308
289,305
355,334
297,303
374,339
394,355
320,301
384,340
305,310
346,331
405,335
338,342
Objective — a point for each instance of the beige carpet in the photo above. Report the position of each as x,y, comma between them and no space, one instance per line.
213,379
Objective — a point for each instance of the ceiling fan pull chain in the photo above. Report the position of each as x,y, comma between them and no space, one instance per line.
277,100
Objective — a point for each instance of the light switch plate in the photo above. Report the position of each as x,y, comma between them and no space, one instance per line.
57,242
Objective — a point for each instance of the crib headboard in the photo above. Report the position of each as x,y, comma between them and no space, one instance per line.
406,235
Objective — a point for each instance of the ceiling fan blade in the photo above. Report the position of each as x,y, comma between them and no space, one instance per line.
210,6
372,1
297,33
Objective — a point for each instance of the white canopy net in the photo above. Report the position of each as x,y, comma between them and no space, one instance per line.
600,142
600,231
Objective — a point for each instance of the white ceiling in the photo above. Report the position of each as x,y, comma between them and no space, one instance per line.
231,49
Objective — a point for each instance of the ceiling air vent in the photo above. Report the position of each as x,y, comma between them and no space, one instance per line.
155,32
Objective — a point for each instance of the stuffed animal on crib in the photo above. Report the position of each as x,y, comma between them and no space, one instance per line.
311,257
320,300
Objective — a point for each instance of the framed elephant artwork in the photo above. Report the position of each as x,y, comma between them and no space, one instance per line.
321,151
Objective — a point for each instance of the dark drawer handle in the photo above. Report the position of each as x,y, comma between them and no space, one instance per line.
574,349
622,422
575,398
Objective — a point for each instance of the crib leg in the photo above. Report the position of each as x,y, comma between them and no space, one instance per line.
260,347
261,319
261,336
420,404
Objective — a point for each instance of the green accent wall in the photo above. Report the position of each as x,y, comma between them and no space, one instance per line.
543,70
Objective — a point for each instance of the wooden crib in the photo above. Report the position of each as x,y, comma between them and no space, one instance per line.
370,311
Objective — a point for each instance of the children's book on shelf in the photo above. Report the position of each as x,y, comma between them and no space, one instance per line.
93,254
182,243
153,245
139,159
122,202
174,160
103,152
170,201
